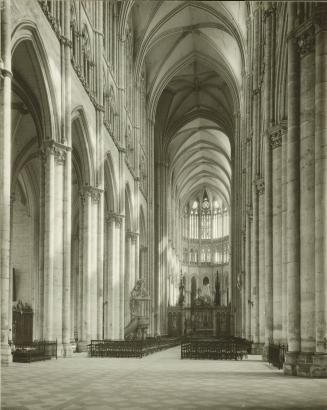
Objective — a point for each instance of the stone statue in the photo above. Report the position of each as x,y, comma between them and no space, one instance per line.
139,294
206,291
181,296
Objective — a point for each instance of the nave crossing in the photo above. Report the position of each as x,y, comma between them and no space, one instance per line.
158,381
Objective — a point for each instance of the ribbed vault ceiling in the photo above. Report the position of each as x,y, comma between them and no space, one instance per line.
192,51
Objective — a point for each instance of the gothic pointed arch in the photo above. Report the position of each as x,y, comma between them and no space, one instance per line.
37,76
82,154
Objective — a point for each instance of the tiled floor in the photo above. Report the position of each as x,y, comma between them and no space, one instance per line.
160,381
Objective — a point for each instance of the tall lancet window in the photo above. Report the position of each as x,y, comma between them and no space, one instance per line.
205,217
194,221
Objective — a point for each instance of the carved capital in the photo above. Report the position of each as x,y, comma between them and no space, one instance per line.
276,136
114,217
65,41
256,91
306,42
249,211
249,137
268,12
91,192
132,236
260,186
121,149
276,139
51,147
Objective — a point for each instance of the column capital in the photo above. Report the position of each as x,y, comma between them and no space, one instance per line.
65,41
132,235
260,185
306,41
256,91
51,147
92,192
269,11
275,135
249,137
249,211
115,217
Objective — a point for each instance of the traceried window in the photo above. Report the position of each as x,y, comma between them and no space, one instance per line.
205,219
205,226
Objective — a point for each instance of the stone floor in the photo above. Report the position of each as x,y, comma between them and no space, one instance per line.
160,381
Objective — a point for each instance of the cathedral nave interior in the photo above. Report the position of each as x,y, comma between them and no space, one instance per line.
163,176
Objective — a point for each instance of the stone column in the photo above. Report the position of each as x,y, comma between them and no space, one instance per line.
321,179
41,245
136,255
96,275
67,140
150,225
85,272
36,319
293,190
98,42
120,223
54,155
268,180
260,188
256,94
134,239
307,198
58,247
127,281
248,301
48,241
293,197
284,237
276,142
113,317
100,258
5,173
66,325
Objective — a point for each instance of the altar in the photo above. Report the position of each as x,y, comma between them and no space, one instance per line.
200,321
203,316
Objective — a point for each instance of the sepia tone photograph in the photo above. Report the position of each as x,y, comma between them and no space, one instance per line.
163,205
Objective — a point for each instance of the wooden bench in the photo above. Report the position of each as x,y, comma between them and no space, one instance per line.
35,351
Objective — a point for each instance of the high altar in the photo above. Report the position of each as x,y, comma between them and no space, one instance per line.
203,317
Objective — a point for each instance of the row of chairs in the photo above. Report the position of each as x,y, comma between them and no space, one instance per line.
130,348
215,349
